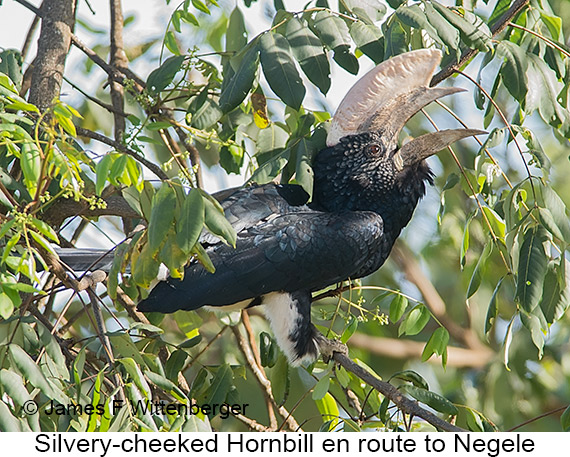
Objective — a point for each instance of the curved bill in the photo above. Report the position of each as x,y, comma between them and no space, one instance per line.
429,144
386,97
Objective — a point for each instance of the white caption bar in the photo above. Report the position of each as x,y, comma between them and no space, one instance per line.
284,444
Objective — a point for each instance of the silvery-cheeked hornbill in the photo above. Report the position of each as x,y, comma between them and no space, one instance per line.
365,191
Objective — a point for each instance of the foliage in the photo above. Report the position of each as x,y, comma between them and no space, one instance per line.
242,101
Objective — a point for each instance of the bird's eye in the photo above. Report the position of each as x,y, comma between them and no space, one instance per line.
372,149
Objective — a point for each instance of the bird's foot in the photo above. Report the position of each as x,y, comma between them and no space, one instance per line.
328,347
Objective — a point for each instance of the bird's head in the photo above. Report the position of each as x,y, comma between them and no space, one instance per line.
383,100
362,142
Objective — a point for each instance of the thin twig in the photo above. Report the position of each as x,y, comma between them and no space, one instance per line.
534,419
548,41
496,28
262,379
122,148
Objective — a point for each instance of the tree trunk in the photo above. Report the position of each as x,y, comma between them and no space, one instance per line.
58,20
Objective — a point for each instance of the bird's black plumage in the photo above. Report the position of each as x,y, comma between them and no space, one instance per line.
360,205
365,191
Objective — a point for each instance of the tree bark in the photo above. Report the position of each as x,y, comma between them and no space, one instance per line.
58,21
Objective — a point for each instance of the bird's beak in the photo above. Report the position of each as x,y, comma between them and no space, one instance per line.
385,99
429,144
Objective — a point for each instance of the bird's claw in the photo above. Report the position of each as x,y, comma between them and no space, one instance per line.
328,347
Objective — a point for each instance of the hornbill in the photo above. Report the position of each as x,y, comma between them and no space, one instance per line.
366,188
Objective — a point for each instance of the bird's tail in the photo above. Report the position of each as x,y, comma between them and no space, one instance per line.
86,259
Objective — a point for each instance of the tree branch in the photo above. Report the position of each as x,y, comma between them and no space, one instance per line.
496,28
406,349
388,390
64,208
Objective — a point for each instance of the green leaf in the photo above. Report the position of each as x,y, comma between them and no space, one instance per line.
537,326
436,401
448,33
556,291
501,8
304,151
175,363
321,388
493,310
544,89
6,306
332,30
31,164
555,205
144,267
394,40
514,69
398,306
217,223
206,115
479,270
271,168
11,65
472,36
280,70
411,376
30,371
8,423
236,35
415,321
308,51
350,329
329,410
102,172
42,241
136,375
203,257
280,378
241,82
44,229
497,223
532,268
191,221
413,16
160,78
161,217
232,158
369,39
346,60
171,44
13,385
437,344
220,386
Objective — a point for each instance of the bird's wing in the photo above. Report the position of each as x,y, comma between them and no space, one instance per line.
304,250
243,207
247,206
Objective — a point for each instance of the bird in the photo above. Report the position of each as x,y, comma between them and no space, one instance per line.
289,246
